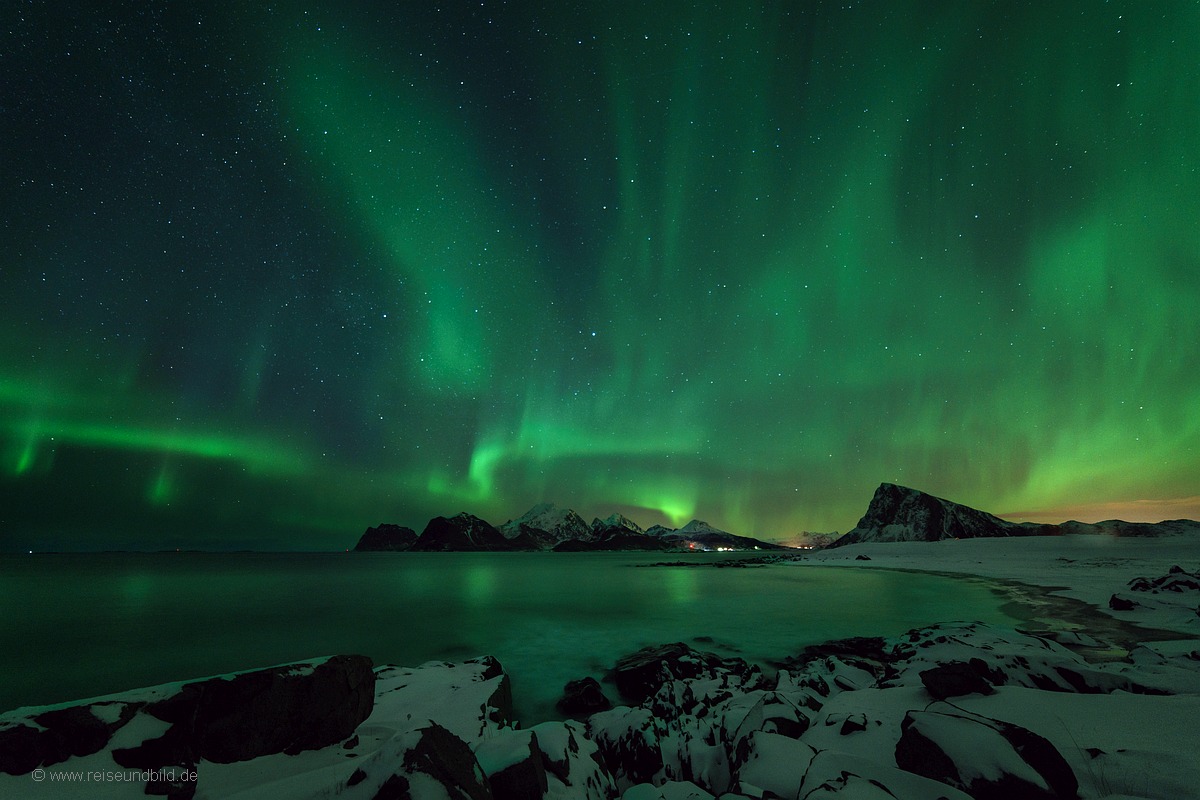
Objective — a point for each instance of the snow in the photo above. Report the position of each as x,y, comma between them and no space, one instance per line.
1075,674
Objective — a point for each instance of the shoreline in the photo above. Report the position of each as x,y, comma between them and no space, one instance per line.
1069,702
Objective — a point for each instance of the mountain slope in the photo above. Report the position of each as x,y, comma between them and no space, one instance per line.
900,514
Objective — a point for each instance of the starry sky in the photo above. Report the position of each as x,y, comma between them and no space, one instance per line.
273,272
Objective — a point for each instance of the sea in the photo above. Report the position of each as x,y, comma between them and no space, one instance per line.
75,626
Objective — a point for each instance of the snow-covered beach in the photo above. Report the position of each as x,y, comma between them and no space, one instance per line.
1083,700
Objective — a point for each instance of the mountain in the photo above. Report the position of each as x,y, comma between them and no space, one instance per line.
547,524
900,514
461,533
698,534
616,521
386,537
659,530
615,538
1119,527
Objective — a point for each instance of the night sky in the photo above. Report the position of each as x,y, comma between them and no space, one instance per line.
274,272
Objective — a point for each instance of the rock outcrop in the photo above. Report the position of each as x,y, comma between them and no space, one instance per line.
864,717
285,709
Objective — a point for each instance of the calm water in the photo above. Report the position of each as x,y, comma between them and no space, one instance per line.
76,626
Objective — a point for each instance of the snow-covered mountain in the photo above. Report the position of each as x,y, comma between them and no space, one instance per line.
900,514
616,521
547,524
699,526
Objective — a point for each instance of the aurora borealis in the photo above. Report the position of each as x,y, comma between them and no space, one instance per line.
273,273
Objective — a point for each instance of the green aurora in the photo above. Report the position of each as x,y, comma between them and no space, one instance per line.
271,275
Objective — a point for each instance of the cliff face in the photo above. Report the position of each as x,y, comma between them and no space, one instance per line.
900,514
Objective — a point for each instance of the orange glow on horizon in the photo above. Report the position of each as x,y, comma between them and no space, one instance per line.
1127,510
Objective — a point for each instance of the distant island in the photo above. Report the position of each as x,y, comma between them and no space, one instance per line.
895,514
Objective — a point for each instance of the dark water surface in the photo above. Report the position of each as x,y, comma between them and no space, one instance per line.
77,626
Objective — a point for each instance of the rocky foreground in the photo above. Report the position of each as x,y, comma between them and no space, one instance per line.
955,710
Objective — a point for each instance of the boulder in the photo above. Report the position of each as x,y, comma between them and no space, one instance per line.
514,765
572,763
956,678
1118,603
1177,579
627,743
583,697
425,762
284,709
986,758
60,734
640,674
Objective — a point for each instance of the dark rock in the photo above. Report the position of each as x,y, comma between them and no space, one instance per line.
861,557
853,724
64,733
356,777
640,674
500,701
1118,603
394,788
350,743
1177,579
20,749
524,779
176,782
386,538
920,750
447,759
284,709
583,697
870,653
627,743
956,678
462,533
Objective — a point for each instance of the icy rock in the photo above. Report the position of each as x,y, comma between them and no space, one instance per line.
470,698
847,777
989,759
627,740
54,736
284,709
424,763
514,765
1177,579
773,764
1003,657
571,763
